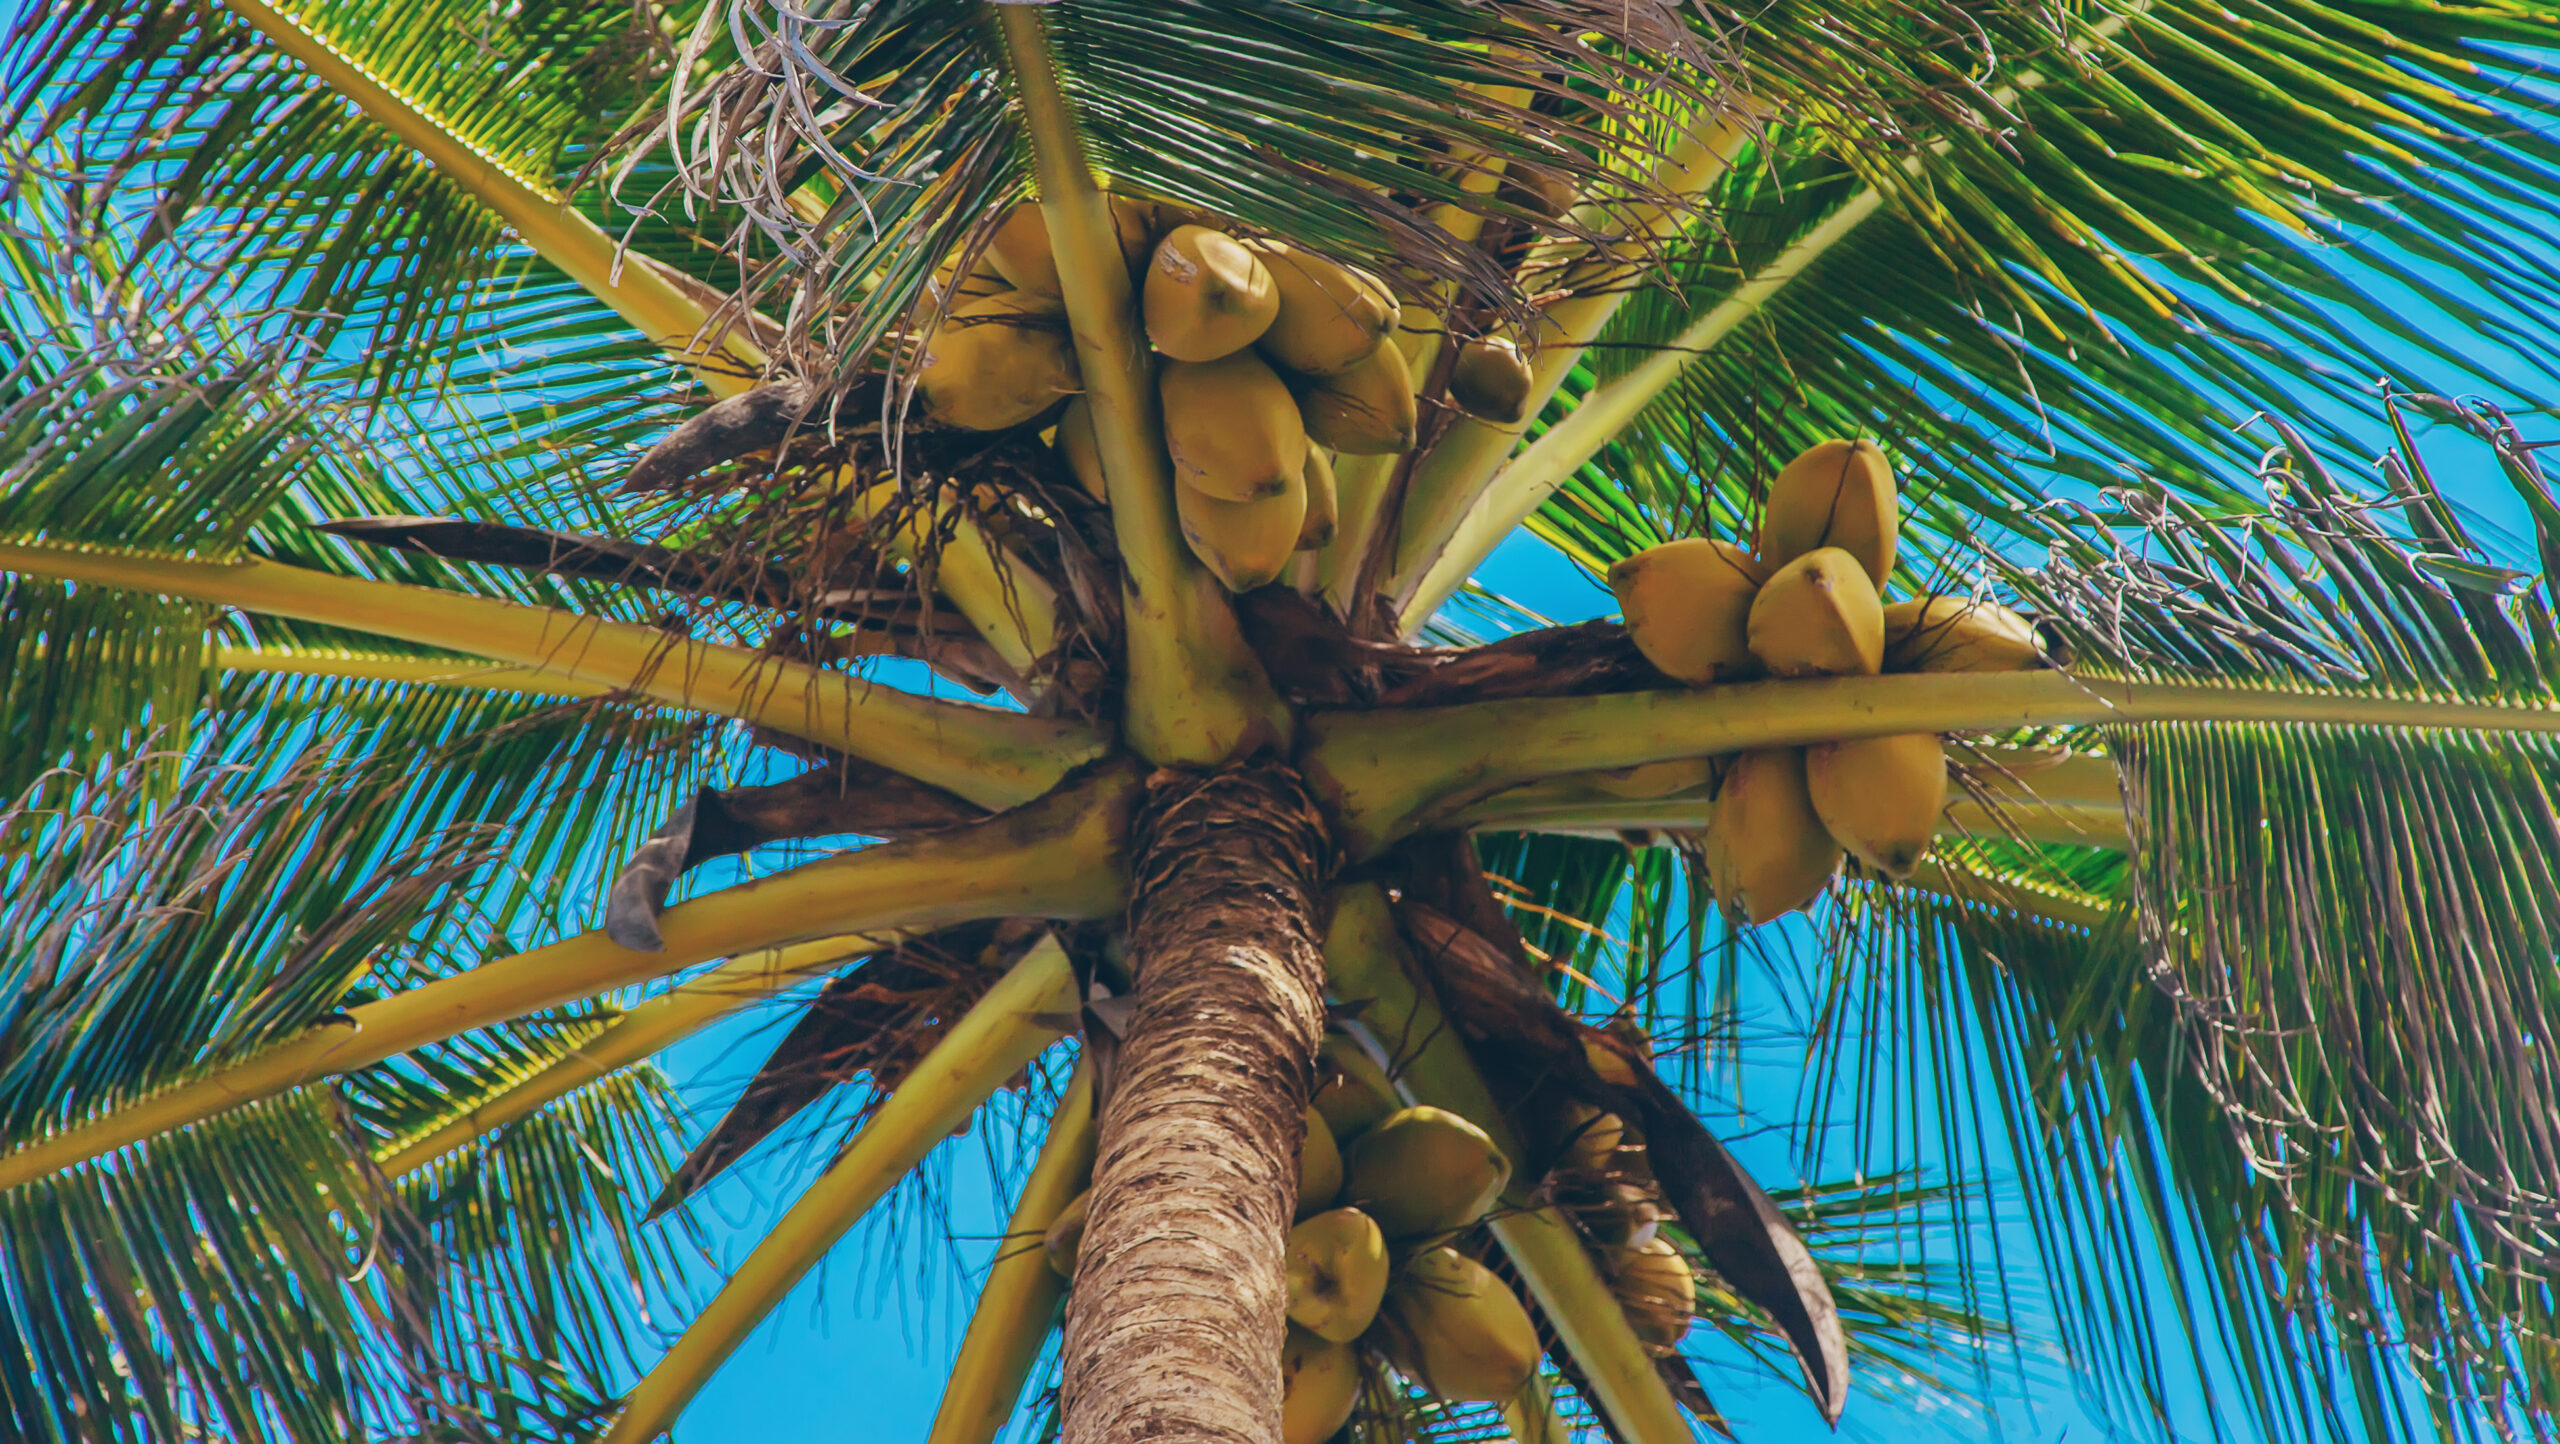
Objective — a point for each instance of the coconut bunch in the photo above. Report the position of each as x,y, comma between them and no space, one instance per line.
1807,601
1272,361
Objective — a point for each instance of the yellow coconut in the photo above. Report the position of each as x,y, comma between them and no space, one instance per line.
980,282
1424,1171
1246,544
1957,634
1324,512
1206,296
1688,608
1319,1167
1767,851
1458,1330
1019,250
996,363
1077,448
1366,409
1337,1265
1066,1234
1331,316
1652,780
1880,797
1818,616
1352,1091
1657,1290
1837,494
1319,1386
1233,429
1490,379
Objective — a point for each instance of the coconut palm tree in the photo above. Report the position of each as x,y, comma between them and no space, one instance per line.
474,475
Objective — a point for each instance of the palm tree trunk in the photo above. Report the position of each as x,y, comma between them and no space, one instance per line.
1175,1321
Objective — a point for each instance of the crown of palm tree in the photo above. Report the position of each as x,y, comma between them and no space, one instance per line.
382,597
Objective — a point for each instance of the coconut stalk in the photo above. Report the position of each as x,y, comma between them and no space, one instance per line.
402,671
1196,694
1368,970
996,1039
995,759
1020,1301
1058,858
634,1037
1389,773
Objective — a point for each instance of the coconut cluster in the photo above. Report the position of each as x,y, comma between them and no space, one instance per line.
1806,601
1272,361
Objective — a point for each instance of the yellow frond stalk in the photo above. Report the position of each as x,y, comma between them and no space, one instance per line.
637,1035
995,759
996,1039
1057,858
1020,1301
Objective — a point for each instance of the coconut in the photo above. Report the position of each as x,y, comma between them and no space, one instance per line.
1247,544
996,363
1880,797
1352,1092
1424,1171
1818,616
1319,1167
1366,409
1206,296
1331,316
1319,1385
1766,849
1019,250
1337,1268
1958,634
1456,1329
1490,380
1657,1291
1688,608
1233,429
1324,505
1837,494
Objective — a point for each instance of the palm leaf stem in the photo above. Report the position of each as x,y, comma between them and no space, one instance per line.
996,1039
1368,970
403,671
1434,564
995,759
1446,482
1195,692
1389,772
676,1014
653,300
1055,858
1019,1304
2052,806
1976,886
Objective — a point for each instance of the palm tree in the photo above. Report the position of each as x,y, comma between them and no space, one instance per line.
366,696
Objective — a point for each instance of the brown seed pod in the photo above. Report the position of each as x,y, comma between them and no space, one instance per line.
1490,380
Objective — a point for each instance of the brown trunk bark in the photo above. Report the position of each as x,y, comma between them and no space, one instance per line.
1175,1321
